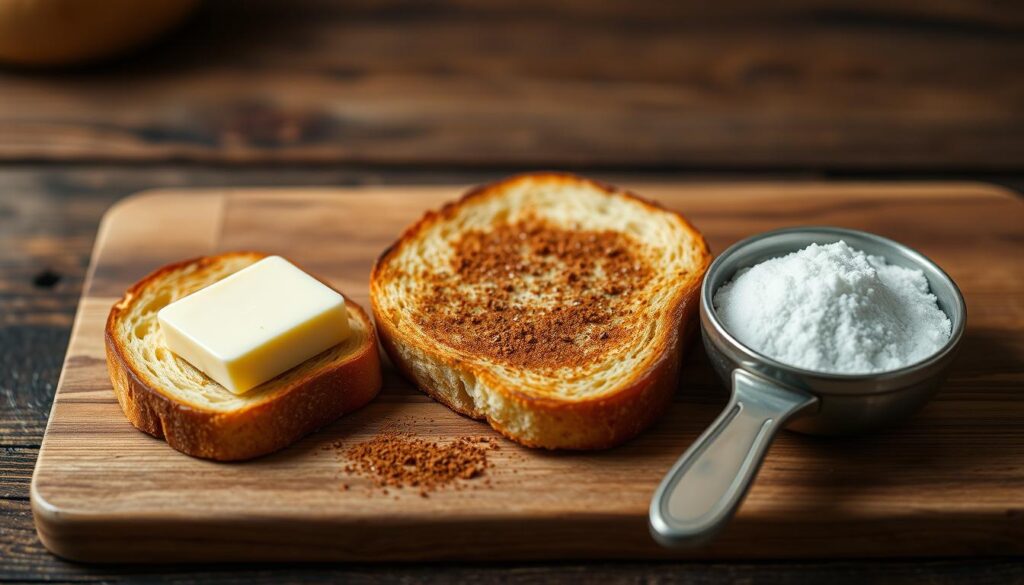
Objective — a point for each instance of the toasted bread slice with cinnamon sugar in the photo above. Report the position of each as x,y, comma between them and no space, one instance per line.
163,395
554,307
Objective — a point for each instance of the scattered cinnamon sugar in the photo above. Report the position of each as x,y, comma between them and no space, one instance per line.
398,459
533,294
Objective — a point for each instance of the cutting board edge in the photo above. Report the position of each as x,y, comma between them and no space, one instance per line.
75,537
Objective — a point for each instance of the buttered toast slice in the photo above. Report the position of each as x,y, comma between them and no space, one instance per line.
163,395
555,307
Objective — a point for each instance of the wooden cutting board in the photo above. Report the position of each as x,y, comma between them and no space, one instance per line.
948,482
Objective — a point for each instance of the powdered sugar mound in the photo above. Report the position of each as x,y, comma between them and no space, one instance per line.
832,308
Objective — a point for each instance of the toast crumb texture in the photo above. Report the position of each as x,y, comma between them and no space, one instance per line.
163,395
550,305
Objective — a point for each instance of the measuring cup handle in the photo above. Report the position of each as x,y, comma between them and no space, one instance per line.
705,487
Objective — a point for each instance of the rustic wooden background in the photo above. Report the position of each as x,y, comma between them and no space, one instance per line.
358,91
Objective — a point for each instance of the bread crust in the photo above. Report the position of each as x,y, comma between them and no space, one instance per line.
596,423
254,430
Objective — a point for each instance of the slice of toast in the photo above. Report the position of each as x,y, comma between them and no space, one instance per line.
555,307
163,395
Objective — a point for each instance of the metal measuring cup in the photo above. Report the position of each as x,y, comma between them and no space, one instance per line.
704,488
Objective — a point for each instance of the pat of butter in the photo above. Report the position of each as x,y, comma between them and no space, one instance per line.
255,324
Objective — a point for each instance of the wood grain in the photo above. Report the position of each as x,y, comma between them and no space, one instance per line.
842,85
950,482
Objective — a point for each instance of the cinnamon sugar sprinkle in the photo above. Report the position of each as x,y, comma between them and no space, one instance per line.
533,294
397,459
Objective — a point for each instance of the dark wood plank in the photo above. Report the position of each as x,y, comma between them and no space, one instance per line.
45,238
16,464
841,85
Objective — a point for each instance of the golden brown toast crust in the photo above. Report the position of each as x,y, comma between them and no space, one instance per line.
565,424
257,429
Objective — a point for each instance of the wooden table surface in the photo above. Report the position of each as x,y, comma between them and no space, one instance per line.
360,92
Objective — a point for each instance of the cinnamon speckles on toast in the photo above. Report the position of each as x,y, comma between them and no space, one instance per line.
532,294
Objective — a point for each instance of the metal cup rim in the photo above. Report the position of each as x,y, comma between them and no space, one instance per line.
958,321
